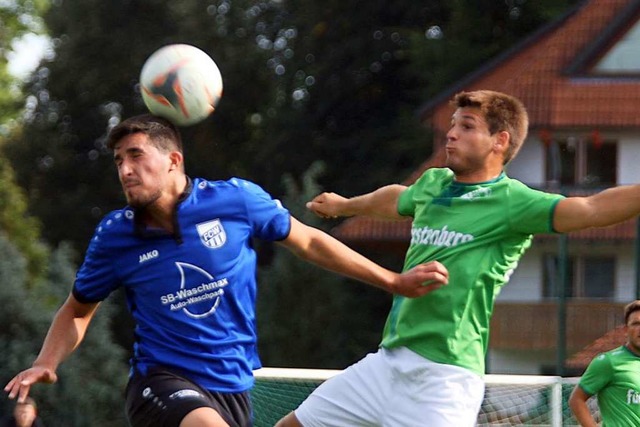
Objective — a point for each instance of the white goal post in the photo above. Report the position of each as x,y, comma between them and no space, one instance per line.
510,400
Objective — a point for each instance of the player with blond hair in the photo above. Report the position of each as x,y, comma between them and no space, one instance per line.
477,222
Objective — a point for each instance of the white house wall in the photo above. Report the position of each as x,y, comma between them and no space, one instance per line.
528,165
628,161
625,277
526,282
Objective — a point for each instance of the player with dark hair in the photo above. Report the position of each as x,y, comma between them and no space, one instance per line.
614,377
182,250
476,221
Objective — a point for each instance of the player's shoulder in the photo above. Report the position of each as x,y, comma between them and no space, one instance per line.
611,356
113,226
116,219
432,175
233,184
515,187
622,354
439,172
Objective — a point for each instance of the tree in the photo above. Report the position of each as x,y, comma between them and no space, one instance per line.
304,81
303,311
17,226
97,369
61,159
17,18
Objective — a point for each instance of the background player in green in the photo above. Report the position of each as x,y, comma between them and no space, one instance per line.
614,377
476,221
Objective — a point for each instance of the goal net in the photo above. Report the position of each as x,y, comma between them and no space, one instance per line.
510,400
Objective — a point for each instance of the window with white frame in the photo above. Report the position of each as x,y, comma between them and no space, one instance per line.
581,162
586,276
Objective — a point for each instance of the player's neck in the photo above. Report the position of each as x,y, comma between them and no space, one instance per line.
478,176
160,213
632,349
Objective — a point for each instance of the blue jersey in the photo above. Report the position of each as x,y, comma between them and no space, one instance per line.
191,293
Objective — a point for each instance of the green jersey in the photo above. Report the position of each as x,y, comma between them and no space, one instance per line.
479,232
615,377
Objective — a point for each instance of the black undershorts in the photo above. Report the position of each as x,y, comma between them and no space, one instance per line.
162,398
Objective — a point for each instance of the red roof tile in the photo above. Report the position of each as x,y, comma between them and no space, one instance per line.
550,72
609,341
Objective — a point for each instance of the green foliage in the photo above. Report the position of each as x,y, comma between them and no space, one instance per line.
17,226
335,81
303,310
91,381
281,110
17,17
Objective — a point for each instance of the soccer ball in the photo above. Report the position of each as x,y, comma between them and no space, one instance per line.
180,83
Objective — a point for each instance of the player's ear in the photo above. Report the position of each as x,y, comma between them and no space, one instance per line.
176,159
503,139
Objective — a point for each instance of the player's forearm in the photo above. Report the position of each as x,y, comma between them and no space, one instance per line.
585,419
326,252
64,335
615,205
605,208
342,260
382,203
582,413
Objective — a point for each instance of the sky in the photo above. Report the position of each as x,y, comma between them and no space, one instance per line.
27,53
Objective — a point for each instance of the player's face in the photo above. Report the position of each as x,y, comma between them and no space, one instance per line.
142,169
633,332
469,142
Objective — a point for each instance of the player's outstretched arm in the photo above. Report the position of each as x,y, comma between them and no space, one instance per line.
605,208
329,253
580,409
381,203
65,334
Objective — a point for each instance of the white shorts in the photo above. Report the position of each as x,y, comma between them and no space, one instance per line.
395,388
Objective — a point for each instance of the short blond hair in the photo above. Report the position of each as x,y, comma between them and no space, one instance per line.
502,112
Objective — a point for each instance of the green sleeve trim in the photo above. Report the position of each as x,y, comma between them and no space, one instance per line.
587,392
402,203
552,213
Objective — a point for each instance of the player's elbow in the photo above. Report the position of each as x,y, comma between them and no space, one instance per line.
578,399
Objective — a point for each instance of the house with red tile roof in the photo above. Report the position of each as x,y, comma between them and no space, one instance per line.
579,77
612,339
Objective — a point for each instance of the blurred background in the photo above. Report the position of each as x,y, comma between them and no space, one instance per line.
317,96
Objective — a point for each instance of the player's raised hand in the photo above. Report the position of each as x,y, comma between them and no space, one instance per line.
421,279
20,385
327,205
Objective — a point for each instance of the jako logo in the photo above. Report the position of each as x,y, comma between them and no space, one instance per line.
149,255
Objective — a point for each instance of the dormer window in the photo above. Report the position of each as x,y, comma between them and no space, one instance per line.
624,57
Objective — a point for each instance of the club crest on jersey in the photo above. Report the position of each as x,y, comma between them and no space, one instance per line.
212,233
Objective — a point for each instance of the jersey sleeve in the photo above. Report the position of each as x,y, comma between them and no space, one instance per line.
268,218
597,375
531,211
431,181
96,278
406,205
